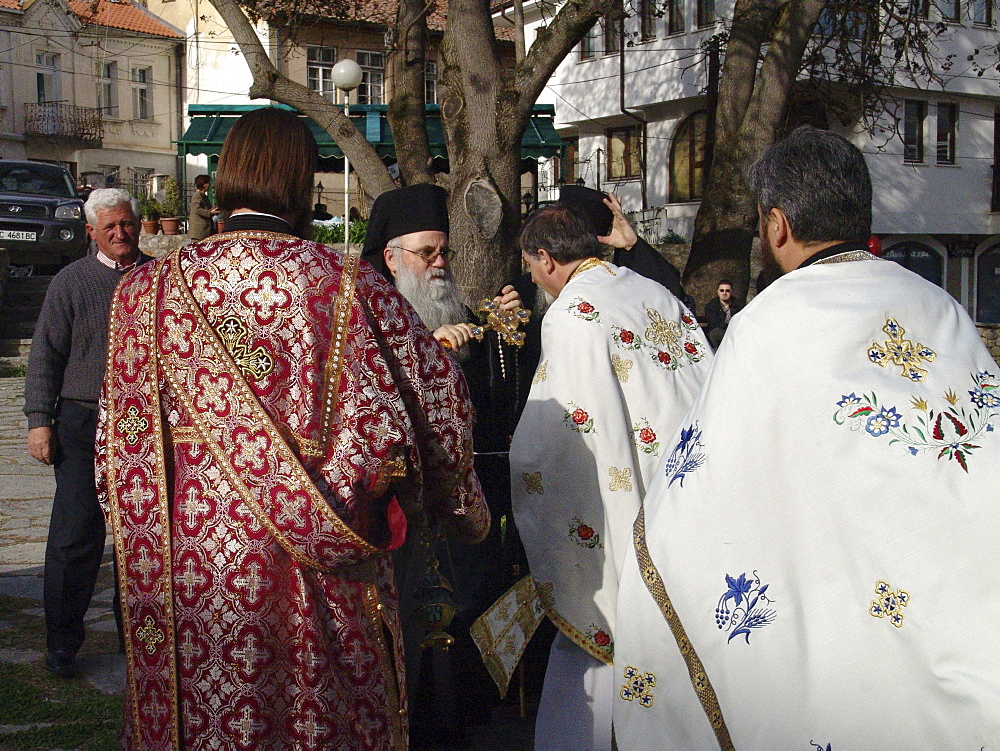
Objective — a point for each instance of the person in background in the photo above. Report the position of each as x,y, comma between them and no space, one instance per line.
201,213
63,383
719,311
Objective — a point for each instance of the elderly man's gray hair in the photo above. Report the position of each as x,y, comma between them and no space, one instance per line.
108,198
820,181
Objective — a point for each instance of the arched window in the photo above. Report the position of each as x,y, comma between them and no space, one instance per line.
919,259
687,160
988,286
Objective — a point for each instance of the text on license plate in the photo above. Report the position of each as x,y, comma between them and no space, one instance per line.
12,234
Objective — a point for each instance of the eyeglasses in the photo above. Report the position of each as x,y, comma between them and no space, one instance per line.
429,255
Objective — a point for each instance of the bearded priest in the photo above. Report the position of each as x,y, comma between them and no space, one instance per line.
815,563
272,414
622,360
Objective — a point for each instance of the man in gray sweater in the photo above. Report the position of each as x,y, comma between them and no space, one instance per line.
65,373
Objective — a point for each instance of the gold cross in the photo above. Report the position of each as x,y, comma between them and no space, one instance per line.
901,352
621,479
150,635
664,333
638,686
131,425
889,604
533,482
504,322
621,367
255,364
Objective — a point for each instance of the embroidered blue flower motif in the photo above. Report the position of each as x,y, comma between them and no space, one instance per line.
984,399
685,458
877,425
741,608
849,399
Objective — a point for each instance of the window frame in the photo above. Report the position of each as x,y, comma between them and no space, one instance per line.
647,20
705,15
687,129
950,133
982,5
107,90
319,71
611,35
675,17
632,156
430,82
918,123
142,93
956,16
588,45
368,72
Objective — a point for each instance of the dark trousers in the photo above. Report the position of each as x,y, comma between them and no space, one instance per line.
75,545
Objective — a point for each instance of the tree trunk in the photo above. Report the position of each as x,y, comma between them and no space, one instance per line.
752,101
406,112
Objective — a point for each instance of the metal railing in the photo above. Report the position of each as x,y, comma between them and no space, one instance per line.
64,121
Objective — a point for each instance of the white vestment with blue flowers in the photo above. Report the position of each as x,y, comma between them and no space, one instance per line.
622,361
816,560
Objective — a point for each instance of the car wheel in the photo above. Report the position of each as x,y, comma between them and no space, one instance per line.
21,271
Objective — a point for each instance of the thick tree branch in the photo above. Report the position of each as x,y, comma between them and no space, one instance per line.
268,82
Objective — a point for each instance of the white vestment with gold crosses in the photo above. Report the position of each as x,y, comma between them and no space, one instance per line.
815,565
622,360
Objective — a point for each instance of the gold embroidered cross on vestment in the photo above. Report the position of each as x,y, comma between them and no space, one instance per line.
149,634
901,352
132,425
254,364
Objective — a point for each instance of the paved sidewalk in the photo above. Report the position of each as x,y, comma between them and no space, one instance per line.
26,489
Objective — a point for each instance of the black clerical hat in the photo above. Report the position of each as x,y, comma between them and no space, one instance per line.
590,203
415,208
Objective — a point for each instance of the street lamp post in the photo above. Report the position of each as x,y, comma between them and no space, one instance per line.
347,77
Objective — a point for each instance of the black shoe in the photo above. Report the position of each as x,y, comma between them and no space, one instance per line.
61,662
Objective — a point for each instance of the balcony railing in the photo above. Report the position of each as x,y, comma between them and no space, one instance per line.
63,121
995,194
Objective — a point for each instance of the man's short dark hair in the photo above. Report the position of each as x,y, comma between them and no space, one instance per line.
563,231
723,281
820,181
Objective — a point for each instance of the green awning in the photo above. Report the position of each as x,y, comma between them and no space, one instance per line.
210,124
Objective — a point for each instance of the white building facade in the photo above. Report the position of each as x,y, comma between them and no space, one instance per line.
933,156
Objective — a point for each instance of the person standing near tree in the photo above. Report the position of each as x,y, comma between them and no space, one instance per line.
719,311
274,414
65,369
621,362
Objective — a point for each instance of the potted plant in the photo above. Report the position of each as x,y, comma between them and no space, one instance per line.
149,215
170,208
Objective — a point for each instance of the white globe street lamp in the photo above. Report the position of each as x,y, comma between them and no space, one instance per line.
346,76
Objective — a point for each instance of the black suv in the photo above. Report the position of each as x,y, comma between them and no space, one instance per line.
41,216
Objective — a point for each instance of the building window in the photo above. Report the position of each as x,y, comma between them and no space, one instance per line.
919,259
949,9
706,13
675,16
319,71
142,93
47,78
687,159
567,165
624,152
372,77
588,43
431,83
107,90
988,286
647,20
612,31
947,121
914,112
982,12
919,8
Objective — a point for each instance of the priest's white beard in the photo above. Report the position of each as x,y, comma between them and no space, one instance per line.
434,296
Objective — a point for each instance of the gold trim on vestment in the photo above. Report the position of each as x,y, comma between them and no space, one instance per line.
850,255
374,609
335,355
185,435
699,678
588,264
280,447
570,631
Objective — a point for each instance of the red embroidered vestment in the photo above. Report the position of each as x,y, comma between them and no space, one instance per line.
264,399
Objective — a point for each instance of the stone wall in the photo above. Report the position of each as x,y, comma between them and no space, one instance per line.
160,245
990,332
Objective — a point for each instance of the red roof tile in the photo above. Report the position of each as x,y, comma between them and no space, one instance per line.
120,14
10,4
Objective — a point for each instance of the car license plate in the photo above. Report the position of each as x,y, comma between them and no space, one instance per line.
11,234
